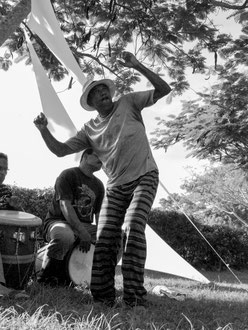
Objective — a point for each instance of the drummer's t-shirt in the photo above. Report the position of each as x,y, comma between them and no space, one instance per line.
85,193
5,193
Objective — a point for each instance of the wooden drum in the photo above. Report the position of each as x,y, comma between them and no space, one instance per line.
18,245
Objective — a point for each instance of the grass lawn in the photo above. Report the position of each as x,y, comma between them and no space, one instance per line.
221,305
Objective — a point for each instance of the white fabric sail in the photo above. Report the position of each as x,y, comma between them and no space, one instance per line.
162,258
43,22
51,104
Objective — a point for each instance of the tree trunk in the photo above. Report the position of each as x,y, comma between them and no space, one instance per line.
13,19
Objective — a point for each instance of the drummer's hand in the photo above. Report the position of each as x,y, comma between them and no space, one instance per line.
41,121
85,241
84,246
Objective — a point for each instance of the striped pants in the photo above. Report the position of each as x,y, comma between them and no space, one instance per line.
125,207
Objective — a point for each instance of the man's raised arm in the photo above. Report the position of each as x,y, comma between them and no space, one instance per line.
60,149
161,87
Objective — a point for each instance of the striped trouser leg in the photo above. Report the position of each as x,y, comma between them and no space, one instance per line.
131,202
108,243
134,254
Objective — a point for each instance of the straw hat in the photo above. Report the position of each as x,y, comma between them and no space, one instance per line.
88,87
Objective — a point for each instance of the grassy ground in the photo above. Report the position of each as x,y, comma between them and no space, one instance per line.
221,305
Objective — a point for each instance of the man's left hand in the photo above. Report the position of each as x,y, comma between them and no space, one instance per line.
130,61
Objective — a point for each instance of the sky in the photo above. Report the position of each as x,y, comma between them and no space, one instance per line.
32,165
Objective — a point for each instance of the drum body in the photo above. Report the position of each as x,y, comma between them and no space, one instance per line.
18,245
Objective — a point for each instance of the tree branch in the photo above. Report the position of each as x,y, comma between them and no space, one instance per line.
228,5
82,55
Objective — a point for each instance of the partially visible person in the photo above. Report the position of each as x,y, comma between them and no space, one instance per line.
72,215
7,202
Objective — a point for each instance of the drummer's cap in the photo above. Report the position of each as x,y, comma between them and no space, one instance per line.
87,151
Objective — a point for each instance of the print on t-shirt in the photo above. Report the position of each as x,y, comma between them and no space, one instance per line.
85,202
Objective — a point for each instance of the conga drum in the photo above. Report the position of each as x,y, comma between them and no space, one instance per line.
18,245
79,265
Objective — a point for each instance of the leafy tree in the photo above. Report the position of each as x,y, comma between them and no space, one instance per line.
171,36
220,195
214,126
97,31
12,14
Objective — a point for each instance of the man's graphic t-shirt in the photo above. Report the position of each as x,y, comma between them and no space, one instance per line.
85,193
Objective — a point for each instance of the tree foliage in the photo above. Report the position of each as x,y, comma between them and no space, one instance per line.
171,37
218,196
214,125
97,31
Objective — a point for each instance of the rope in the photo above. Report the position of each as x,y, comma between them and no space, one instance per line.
200,232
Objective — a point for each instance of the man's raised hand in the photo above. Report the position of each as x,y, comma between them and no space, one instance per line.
129,60
41,121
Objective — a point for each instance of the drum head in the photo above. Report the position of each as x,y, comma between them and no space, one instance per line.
19,218
79,266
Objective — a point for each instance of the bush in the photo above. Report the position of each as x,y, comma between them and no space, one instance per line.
34,201
230,243
180,234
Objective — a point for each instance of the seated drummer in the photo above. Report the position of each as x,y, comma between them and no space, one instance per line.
7,202
78,197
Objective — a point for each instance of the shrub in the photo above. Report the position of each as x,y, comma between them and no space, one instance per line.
34,201
231,244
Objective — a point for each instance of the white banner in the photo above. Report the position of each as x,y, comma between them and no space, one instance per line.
43,22
51,104
162,258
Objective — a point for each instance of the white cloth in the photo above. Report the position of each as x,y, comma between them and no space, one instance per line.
43,22
51,104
